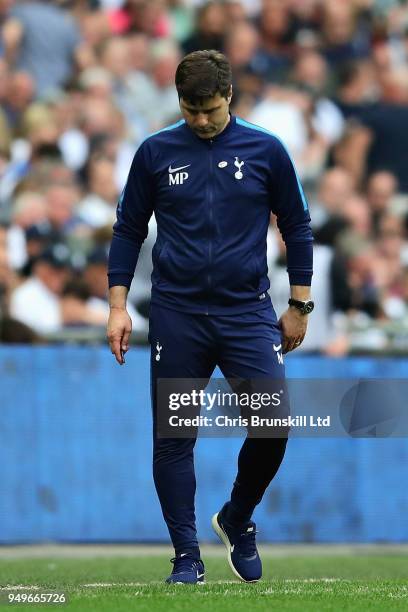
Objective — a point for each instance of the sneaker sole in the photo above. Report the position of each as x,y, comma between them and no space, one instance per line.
193,583
199,582
224,538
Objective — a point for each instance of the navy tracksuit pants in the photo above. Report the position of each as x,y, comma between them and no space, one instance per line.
191,347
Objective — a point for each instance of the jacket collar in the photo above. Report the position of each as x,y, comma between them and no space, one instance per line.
226,131
221,136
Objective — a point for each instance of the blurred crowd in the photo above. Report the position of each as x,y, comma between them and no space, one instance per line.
83,82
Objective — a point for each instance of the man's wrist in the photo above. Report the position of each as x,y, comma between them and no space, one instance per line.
118,297
300,292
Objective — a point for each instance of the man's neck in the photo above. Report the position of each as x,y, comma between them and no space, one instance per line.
225,125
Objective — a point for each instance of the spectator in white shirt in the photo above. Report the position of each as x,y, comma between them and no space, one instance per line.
36,302
98,208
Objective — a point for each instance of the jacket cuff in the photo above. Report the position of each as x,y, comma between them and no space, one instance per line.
300,278
124,280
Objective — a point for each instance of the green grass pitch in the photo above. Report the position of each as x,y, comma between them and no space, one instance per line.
312,583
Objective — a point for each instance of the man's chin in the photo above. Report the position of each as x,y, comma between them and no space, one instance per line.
205,134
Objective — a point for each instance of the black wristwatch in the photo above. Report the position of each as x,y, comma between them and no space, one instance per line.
304,308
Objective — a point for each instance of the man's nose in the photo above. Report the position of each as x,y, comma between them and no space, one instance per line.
201,120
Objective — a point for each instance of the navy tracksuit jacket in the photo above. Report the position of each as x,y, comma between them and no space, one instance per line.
212,200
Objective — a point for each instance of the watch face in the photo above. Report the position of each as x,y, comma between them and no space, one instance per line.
308,307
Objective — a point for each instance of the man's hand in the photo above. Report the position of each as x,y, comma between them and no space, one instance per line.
118,332
293,325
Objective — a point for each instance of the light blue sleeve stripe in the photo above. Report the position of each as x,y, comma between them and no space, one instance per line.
258,128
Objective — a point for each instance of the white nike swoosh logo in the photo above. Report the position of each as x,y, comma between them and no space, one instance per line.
199,575
183,554
171,170
277,348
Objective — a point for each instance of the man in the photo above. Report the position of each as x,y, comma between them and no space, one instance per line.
37,301
212,181
98,206
43,40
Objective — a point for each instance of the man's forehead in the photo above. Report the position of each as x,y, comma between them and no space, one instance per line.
205,104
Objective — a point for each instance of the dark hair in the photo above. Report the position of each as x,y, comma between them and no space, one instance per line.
203,74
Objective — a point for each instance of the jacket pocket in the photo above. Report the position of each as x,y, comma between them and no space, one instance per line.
179,268
257,270
238,273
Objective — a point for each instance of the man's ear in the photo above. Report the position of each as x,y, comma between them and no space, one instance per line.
229,98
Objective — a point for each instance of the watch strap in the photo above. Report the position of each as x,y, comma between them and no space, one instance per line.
297,303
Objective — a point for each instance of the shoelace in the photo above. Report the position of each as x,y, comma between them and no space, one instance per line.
184,563
247,543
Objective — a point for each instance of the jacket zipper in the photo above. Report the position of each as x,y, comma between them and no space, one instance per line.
210,215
